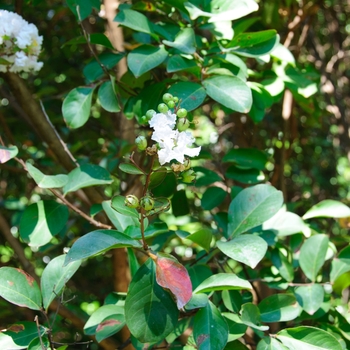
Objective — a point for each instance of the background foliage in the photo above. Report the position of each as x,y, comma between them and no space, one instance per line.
261,116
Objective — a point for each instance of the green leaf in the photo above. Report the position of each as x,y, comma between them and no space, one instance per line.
54,278
252,39
310,297
279,308
120,221
179,203
202,237
308,338
283,54
133,262
222,281
134,20
340,264
191,95
205,177
41,221
97,242
37,343
7,153
46,181
93,70
230,91
259,49
247,158
212,198
150,312
19,288
87,175
157,177
284,266
176,63
130,169
197,301
247,249
146,57
184,41
76,106
210,329
85,7
118,204
105,321
250,316
313,254
252,206
95,38
268,343
245,176
232,300
328,208
19,335
236,327
108,97
198,273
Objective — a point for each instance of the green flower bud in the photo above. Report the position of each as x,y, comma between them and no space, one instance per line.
171,104
182,124
167,97
141,143
163,108
188,176
131,201
175,99
150,113
181,113
147,203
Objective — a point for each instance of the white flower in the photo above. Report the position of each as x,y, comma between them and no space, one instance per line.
173,144
20,43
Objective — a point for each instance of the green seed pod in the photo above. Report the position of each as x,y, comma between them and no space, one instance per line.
150,113
147,203
182,124
167,97
163,108
181,113
131,201
141,143
171,104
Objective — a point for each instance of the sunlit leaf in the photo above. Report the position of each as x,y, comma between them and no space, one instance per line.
46,181
7,153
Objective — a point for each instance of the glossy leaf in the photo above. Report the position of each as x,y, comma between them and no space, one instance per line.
313,255
120,221
328,208
232,300
252,39
197,301
205,176
46,181
250,316
85,7
184,41
150,312
108,97
144,58
54,278
210,329
118,204
134,20
340,264
248,158
19,288
279,308
37,343
105,321
259,49
76,106
97,242
87,175
157,177
245,176
7,153
176,63
130,169
41,221
251,207
310,297
198,273
222,281
307,338
284,266
230,91
19,335
171,275
247,249
236,327
213,197
191,95
268,343
94,38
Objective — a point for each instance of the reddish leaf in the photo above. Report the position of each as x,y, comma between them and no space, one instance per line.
170,274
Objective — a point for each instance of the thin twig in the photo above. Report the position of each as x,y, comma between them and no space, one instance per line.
39,333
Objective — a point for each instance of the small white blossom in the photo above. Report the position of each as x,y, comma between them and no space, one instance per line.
174,145
20,44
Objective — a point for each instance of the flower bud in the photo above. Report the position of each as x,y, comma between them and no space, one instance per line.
182,124
188,176
147,203
141,143
131,201
187,164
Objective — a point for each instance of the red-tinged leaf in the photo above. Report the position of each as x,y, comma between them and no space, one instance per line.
170,274
7,153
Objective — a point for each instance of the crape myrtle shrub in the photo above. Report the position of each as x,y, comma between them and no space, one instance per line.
177,181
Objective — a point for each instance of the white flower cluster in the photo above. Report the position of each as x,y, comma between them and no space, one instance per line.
20,44
173,143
